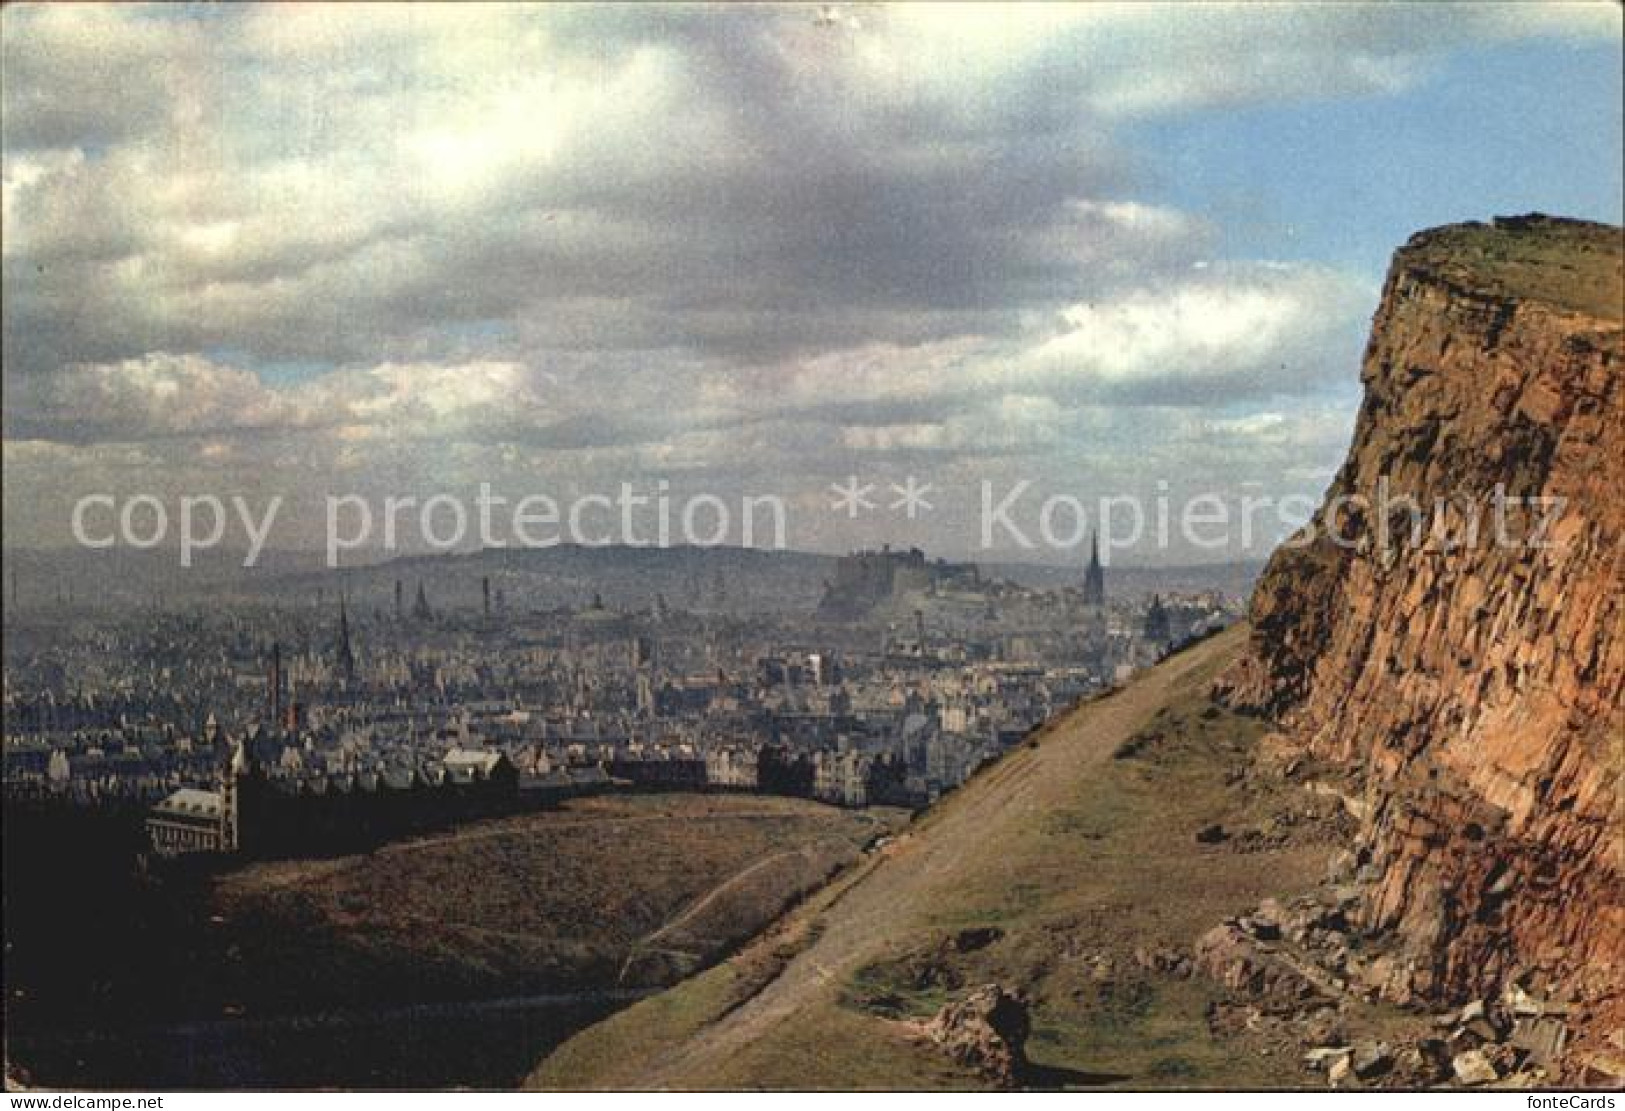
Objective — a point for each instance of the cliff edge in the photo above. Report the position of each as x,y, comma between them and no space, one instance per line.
1467,656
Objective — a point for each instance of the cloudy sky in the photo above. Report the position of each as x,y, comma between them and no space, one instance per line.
322,250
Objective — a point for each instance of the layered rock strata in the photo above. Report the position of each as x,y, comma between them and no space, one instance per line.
1467,656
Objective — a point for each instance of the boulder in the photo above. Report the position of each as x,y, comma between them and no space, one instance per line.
1229,955
985,1032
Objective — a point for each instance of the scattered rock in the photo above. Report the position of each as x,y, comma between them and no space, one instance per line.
1324,1026
1323,1057
1264,929
1233,958
1170,962
1473,1068
1542,1039
1342,866
1423,1062
1211,834
986,1032
1372,1059
1603,1071
1529,1078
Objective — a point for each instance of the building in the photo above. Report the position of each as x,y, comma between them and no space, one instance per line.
188,821
303,811
867,580
196,820
1158,626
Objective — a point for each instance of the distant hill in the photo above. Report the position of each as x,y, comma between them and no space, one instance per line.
735,580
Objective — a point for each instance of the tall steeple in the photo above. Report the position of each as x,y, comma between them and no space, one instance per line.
1094,577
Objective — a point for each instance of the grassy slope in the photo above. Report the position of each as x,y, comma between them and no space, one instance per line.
536,902
1569,264
1075,856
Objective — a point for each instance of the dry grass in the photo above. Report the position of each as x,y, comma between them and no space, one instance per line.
537,902
1572,265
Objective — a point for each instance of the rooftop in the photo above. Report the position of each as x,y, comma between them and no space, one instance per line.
192,803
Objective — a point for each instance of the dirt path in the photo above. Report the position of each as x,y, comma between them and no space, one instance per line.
698,906
901,886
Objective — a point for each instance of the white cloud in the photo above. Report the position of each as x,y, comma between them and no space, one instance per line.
574,237
1245,326
163,395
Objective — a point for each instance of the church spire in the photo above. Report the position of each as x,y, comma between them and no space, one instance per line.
1094,577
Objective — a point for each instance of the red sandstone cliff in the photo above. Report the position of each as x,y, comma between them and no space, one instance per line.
1476,685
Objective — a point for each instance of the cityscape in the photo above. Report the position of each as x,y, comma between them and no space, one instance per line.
907,676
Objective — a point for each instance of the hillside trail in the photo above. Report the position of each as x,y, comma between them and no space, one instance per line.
912,874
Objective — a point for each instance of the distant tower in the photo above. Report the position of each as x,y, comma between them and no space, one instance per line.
400,608
273,695
1094,578
344,656
420,608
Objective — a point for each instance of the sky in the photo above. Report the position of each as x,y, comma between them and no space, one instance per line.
1105,250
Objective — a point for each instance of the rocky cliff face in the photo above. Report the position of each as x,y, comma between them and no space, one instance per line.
1475,681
